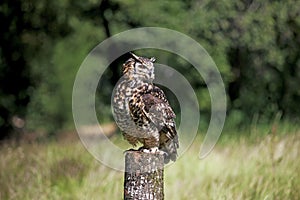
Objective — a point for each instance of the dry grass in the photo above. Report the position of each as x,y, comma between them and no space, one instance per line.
266,168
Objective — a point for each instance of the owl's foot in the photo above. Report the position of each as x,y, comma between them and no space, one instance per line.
153,150
129,150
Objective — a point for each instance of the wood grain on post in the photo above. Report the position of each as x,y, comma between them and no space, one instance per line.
144,176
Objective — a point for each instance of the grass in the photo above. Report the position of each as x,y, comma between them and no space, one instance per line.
265,167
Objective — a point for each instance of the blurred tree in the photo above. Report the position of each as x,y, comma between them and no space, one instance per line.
27,27
50,108
255,45
14,78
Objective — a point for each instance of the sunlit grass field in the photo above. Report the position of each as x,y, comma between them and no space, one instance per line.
240,167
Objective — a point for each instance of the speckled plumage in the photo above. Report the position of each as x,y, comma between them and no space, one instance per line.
142,111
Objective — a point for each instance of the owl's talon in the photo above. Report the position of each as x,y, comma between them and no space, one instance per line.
128,150
142,149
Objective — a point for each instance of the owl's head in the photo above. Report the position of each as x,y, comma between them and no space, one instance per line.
140,68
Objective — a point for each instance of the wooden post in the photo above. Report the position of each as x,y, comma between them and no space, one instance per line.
144,176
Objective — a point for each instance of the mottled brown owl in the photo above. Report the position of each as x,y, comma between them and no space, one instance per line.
142,111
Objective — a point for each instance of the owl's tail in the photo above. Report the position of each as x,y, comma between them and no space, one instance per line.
170,147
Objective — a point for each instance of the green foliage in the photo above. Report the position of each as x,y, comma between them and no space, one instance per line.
52,101
255,45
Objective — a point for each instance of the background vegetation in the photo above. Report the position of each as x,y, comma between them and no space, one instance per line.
255,44
238,168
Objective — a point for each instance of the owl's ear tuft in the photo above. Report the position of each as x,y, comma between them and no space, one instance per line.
152,59
135,56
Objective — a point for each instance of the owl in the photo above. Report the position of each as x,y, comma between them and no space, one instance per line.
142,111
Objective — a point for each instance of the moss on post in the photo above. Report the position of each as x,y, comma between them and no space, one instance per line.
143,176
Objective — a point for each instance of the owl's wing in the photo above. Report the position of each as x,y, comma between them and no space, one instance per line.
157,109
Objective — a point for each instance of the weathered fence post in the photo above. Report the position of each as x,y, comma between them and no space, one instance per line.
144,176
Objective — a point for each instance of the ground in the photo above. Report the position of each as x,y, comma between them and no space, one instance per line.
240,167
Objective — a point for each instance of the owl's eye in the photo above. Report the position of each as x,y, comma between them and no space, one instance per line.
140,65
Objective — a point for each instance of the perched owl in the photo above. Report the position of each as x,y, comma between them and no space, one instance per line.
142,111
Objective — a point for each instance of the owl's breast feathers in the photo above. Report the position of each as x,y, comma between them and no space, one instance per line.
152,105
